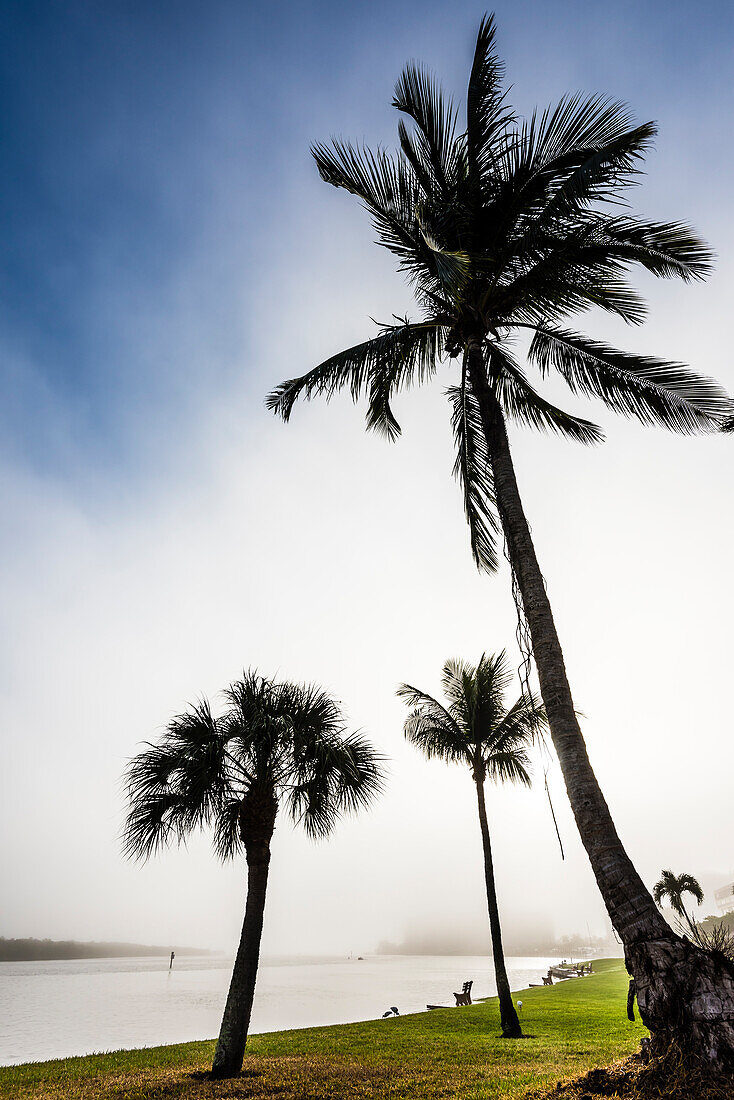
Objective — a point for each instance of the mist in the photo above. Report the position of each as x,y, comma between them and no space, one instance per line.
163,531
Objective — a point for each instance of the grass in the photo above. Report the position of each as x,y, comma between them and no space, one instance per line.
454,1052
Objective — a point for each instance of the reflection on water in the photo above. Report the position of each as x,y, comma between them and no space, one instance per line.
77,1006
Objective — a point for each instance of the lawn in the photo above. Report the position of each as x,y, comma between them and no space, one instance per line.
453,1052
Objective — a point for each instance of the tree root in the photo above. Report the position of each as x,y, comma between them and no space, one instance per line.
675,1075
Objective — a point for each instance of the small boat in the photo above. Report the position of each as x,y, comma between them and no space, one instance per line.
429,1007
562,972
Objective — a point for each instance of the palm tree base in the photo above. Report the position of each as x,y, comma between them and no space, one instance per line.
685,997
677,1075
221,1074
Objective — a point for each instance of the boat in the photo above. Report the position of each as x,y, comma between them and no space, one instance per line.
562,972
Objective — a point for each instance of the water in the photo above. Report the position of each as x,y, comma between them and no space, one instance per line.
79,1006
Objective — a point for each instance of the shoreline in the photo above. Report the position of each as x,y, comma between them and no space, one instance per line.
605,966
83,1008
569,1028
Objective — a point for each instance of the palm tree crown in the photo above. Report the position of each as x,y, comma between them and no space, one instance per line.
504,226
275,741
673,887
475,728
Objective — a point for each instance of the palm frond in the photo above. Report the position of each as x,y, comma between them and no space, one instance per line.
399,356
313,715
488,115
586,174
332,776
418,95
510,766
459,685
386,188
329,772
359,773
687,884
257,728
523,404
177,785
474,474
660,889
557,142
488,683
450,268
431,727
667,249
227,839
523,723
573,273
391,193
153,820
652,390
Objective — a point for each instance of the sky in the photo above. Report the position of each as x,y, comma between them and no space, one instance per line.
169,255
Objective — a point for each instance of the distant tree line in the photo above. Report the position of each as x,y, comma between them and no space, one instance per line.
520,945
30,949
711,922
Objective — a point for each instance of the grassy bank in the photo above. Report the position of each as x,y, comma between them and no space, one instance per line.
446,1053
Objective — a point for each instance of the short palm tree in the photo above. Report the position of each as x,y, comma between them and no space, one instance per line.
673,887
476,730
275,743
507,227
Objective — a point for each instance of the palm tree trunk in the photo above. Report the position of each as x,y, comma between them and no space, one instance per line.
230,1051
681,992
257,823
688,920
508,1016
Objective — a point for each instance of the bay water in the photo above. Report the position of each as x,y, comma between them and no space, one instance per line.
81,1006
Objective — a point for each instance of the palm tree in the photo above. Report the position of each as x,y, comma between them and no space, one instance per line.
276,743
507,227
673,887
476,730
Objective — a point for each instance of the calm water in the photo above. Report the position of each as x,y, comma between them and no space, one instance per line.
56,1009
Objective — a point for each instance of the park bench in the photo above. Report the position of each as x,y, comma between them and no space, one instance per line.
464,998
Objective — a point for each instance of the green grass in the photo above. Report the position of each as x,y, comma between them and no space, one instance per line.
454,1052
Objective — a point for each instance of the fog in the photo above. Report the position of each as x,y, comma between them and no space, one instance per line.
201,537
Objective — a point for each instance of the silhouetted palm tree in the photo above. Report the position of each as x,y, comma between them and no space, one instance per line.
476,730
673,887
276,743
503,228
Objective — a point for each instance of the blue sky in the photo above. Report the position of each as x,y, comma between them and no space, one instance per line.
170,254
157,172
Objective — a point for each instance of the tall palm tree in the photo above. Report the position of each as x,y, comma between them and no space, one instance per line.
476,730
673,887
506,227
275,743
